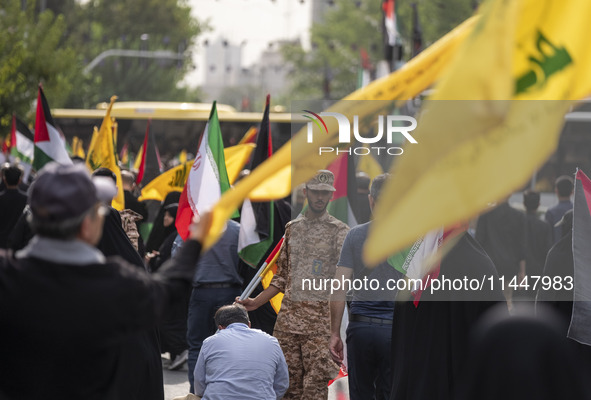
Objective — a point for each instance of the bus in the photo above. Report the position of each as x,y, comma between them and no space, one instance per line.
175,126
178,126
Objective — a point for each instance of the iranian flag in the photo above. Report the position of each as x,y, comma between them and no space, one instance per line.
49,143
345,184
207,178
21,141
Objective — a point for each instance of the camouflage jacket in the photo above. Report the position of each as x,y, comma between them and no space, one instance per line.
307,262
128,221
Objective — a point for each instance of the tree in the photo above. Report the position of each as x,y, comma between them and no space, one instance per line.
147,25
329,70
32,51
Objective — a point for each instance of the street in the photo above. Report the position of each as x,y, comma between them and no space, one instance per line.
176,383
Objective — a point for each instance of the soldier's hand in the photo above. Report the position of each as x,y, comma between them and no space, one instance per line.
335,346
248,303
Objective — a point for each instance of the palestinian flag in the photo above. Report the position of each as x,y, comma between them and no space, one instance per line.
49,143
22,145
207,178
257,218
580,324
390,29
345,184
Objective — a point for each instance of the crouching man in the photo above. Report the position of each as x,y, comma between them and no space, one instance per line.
239,362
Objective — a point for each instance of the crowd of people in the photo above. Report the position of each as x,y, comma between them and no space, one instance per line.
87,306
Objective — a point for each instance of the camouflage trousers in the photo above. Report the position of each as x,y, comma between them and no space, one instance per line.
309,364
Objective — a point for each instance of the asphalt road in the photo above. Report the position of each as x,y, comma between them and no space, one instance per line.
176,383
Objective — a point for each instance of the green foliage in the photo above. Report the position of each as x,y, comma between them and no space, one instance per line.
31,52
348,26
437,17
148,25
336,45
52,46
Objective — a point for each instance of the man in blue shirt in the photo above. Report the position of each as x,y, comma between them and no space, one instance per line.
370,319
238,362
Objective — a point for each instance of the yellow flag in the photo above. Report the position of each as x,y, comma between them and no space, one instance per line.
138,158
101,153
169,181
296,162
267,275
183,156
77,148
495,132
236,157
249,136
115,128
369,165
174,179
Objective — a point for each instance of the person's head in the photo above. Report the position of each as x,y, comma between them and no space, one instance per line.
11,175
564,186
170,214
234,313
376,189
363,181
107,173
509,355
319,191
531,200
127,180
65,203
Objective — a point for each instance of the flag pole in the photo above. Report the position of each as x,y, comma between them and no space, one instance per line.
269,262
254,282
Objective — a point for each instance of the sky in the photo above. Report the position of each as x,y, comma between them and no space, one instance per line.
257,22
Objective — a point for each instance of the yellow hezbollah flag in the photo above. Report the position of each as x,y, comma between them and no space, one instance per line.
170,181
101,153
470,153
174,179
296,162
369,165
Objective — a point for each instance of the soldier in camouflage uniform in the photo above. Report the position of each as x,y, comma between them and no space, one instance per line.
308,258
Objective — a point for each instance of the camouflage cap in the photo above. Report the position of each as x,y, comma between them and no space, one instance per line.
323,180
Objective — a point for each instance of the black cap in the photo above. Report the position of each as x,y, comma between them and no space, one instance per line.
62,192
